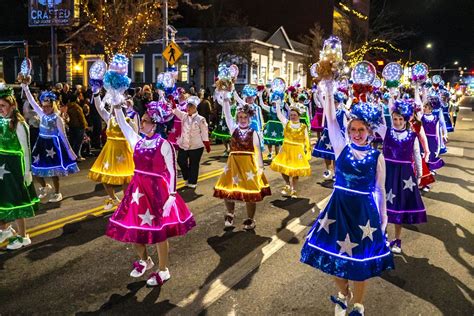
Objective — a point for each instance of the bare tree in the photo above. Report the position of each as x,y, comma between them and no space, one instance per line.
314,42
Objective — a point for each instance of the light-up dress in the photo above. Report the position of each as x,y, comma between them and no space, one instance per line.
293,158
404,203
17,199
114,165
431,126
240,179
139,218
346,239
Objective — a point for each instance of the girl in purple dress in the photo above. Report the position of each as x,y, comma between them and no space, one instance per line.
400,149
151,210
431,124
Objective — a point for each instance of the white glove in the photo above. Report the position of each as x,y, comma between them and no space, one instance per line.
28,178
168,205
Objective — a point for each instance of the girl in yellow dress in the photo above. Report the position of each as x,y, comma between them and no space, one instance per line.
293,159
243,178
114,166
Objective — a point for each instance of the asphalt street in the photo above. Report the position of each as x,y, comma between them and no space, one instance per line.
72,268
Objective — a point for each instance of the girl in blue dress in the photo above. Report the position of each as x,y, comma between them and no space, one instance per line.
348,238
52,155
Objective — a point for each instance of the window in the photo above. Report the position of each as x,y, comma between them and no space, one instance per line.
301,74
254,67
289,71
157,66
138,68
182,66
2,75
263,68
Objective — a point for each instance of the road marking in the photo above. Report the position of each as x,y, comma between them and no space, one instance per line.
455,151
97,211
200,300
466,119
465,108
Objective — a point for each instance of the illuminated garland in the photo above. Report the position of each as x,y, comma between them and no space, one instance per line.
356,13
133,26
358,55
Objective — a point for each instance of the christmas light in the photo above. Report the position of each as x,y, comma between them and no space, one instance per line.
363,73
97,70
278,85
356,13
392,71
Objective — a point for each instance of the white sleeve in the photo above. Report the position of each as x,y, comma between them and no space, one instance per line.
179,114
280,115
442,122
338,142
231,125
169,156
62,135
417,156
238,99
32,100
22,131
424,141
379,193
128,131
258,151
100,106
204,129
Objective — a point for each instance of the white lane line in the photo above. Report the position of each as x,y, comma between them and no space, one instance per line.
465,108
455,151
466,119
201,299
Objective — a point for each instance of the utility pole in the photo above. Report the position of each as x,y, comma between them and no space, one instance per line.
53,54
165,32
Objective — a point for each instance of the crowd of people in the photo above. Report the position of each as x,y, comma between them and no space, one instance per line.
381,147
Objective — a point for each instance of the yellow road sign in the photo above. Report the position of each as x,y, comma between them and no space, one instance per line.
172,53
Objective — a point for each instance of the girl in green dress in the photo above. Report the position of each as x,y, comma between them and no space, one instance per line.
18,199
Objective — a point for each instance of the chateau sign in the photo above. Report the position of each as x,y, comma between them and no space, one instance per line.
53,12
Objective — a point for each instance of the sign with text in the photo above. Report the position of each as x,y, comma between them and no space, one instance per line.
53,12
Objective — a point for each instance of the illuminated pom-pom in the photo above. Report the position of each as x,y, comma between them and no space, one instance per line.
119,64
5,91
404,107
249,91
368,113
96,84
115,81
159,111
48,96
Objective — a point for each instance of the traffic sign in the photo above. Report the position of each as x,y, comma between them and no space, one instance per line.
172,53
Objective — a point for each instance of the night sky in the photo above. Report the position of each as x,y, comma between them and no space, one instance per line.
447,24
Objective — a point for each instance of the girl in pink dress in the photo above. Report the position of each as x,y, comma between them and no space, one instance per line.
181,104
151,210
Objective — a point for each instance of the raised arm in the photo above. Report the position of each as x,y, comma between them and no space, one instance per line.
129,133
337,140
280,115
262,104
100,106
32,100
231,125
238,98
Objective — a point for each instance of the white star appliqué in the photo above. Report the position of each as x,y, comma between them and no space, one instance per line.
346,245
226,169
325,222
328,146
136,197
146,218
274,134
323,137
235,179
120,158
173,130
250,175
36,158
106,165
367,231
390,196
50,153
3,171
409,184
300,156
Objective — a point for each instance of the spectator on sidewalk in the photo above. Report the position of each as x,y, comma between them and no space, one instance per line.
204,107
77,126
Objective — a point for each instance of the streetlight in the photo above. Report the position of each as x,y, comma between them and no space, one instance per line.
429,45
456,62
